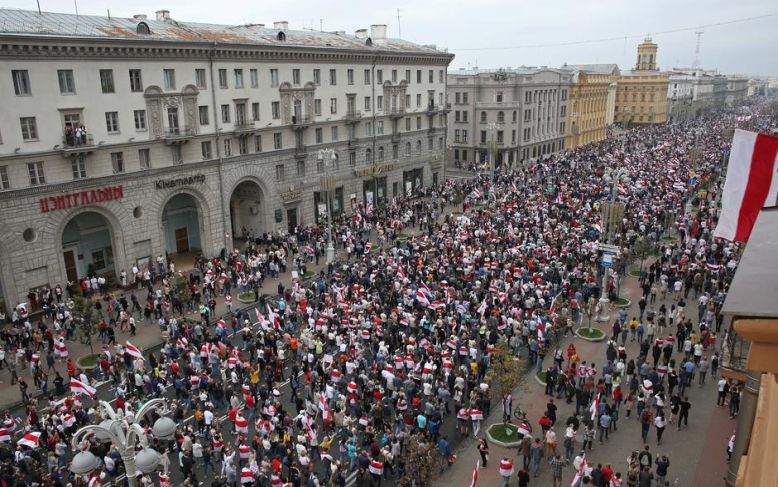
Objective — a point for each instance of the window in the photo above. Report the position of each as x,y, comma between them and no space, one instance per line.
464,116
456,136
394,76
275,108
222,78
352,159
319,135
257,143
418,123
440,76
407,124
527,97
564,95
367,76
169,76
255,111
408,76
29,128
317,107
200,79
296,77
277,141
67,84
562,127
456,116
379,75
483,117
227,147
21,82
35,169
513,136
140,119
226,113
203,109
243,145
333,77
500,117
368,156
464,136
527,114
464,98
238,73
333,105
106,80
78,165
430,143
418,76
254,77
144,158
381,153
136,82
273,77
279,172
395,151
205,149
379,125
112,122
117,162
317,77
368,129
334,134
408,100
563,111
499,97
300,169
379,103
500,137
515,115
367,103
418,147
407,148
483,136
431,76
4,181
350,76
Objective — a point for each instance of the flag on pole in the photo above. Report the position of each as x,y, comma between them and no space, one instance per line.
260,317
81,388
579,473
751,184
474,481
595,407
133,350
30,439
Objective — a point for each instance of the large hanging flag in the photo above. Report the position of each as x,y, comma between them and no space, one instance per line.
751,184
133,350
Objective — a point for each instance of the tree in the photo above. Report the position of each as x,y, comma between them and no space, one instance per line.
83,312
421,458
183,293
505,372
642,249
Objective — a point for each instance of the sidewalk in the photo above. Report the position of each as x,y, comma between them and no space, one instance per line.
697,453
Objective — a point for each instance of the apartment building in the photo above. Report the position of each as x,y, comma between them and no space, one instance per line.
128,138
512,114
591,103
641,97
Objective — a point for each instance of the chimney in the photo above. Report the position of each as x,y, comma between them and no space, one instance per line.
378,32
282,25
163,15
361,34
139,17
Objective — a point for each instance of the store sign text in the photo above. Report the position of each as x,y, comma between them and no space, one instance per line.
187,181
81,198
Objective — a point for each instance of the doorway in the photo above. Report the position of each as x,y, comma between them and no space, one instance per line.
70,265
181,224
182,240
87,246
291,220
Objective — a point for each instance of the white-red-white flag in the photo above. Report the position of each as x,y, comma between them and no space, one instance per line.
30,439
133,350
751,184
474,481
81,388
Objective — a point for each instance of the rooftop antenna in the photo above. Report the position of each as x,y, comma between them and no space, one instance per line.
321,23
399,27
39,6
696,63
75,2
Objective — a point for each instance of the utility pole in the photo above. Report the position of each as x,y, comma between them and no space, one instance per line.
399,27
696,63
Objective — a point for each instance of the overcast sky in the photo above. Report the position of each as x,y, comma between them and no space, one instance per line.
466,27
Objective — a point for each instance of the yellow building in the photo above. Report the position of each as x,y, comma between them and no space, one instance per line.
641,97
589,111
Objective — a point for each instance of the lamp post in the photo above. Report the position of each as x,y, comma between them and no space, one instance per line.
492,127
126,435
328,157
612,212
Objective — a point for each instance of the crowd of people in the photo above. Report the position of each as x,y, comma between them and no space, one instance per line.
347,373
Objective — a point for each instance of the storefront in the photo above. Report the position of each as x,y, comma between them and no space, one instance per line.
320,204
413,179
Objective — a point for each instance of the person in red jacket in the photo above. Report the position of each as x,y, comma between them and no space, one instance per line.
545,423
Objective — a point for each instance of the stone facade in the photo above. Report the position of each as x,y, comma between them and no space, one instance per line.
589,107
180,128
641,97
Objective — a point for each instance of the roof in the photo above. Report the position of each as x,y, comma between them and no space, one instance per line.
754,287
521,70
593,68
49,24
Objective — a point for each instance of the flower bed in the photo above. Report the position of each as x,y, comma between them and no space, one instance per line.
87,362
504,434
593,335
622,303
246,297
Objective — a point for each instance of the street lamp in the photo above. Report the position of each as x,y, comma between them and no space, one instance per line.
612,212
126,435
492,127
327,158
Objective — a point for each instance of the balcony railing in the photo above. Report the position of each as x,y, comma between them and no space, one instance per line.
70,141
353,115
397,112
243,126
177,135
300,120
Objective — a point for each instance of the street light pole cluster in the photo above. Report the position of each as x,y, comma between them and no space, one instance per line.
327,157
612,213
126,435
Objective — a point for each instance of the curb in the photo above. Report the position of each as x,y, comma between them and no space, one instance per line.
539,380
626,305
579,335
503,444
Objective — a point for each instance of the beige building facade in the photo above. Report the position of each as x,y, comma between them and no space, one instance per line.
641,96
592,102
128,138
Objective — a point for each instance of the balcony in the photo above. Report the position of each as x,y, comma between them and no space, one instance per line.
353,142
352,116
395,113
300,151
504,105
300,122
175,135
243,126
72,146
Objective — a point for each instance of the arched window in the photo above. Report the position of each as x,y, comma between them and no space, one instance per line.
407,148
369,42
381,153
143,28
500,117
483,117
369,155
281,36
418,147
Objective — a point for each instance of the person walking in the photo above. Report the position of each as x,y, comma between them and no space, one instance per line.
660,423
536,455
506,471
557,463
662,464
646,419
683,415
483,449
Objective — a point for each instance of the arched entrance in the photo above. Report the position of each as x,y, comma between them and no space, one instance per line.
87,246
181,225
247,211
